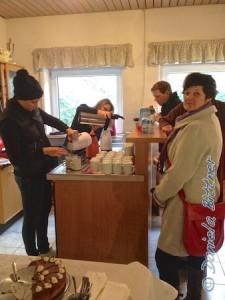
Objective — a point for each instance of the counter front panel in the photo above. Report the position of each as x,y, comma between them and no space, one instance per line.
102,221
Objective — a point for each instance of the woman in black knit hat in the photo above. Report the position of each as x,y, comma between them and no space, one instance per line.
29,151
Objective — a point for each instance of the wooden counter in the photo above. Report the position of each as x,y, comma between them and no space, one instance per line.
100,217
60,173
104,217
146,147
10,197
157,136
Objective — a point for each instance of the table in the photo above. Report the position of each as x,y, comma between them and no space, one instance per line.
140,280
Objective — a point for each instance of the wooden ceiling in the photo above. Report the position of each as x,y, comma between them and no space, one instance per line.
35,8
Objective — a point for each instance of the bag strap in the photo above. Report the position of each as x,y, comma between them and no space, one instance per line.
222,161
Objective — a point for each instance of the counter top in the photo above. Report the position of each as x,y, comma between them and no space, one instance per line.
60,173
157,136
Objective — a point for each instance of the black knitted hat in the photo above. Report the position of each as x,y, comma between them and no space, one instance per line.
26,87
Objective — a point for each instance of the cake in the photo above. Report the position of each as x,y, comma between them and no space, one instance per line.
49,278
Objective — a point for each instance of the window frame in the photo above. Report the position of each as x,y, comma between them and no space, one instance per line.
207,68
55,73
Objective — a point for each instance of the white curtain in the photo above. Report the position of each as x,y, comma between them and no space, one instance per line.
83,57
202,51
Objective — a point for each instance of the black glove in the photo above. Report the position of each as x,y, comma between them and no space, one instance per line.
155,201
153,197
152,190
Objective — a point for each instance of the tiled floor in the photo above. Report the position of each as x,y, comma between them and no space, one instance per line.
11,240
11,243
215,270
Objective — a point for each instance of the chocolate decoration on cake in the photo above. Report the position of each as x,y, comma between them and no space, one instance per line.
49,278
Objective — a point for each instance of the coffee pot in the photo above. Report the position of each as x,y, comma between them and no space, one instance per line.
106,137
83,141
91,119
106,140
100,120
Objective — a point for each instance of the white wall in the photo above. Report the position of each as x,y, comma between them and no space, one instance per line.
2,33
136,27
181,23
85,29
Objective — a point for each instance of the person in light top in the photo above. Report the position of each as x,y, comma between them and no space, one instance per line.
196,138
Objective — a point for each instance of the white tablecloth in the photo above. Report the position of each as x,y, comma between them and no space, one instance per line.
140,280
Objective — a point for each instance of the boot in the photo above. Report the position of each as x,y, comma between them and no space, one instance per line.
194,284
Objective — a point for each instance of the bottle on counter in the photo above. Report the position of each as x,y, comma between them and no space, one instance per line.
152,116
147,125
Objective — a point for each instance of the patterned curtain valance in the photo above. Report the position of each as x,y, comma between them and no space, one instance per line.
82,57
203,51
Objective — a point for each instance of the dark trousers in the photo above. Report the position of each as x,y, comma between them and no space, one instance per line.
36,198
168,266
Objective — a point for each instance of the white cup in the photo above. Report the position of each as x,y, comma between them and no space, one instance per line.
127,168
68,159
107,166
75,163
128,158
117,166
129,149
95,164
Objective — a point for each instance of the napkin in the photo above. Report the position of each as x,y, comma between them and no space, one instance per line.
21,290
98,281
114,290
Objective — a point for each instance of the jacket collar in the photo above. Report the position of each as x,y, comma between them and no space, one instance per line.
197,116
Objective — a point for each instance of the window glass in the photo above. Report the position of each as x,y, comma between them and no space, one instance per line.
175,75
70,88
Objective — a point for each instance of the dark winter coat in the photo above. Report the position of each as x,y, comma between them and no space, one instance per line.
24,137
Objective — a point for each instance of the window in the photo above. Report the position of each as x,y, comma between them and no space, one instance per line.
70,88
175,75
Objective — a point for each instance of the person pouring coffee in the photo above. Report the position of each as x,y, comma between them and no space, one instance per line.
103,107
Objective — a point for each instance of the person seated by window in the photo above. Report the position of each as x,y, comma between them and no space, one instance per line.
103,107
166,123
164,96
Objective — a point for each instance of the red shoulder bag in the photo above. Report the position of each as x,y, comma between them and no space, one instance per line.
203,231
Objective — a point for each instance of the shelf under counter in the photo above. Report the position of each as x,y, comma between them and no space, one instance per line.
60,173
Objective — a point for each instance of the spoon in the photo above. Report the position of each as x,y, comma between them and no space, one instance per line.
74,284
19,288
14,268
